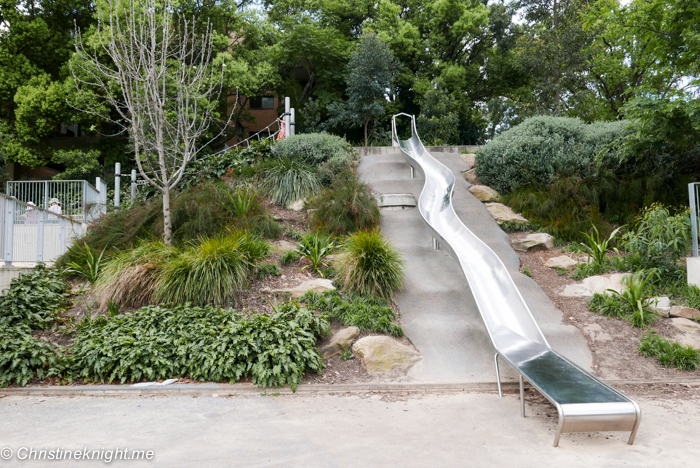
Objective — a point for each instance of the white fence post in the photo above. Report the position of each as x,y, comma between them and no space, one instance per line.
117,184
9,232
40,237
292,124
287,106
62,239
133,186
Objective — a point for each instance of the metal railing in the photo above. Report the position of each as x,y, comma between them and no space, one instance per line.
30,234
694,195
76,199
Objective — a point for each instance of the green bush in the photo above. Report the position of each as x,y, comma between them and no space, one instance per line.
314,148
315,248
368,313
631,304
267,270
287,181
24,357
669,354
215,271
202,343
85,263
130,278
659,239
290,256
370,266
33,299
348,205
542,148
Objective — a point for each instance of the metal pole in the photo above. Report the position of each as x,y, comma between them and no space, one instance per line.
287,105
133,185
117,184
292,124
46,196
62,238
9,231
693,218
40,237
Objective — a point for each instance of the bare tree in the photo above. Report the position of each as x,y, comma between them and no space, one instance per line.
160,79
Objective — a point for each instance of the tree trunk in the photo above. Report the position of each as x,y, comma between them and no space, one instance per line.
366,123
167,223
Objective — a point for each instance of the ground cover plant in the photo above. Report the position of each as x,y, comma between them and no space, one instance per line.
631,304
669,354
315,248
287,180
370,266
346,206
368,313
204,343
32,301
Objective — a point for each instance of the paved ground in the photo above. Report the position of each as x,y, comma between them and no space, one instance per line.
438,310
418,430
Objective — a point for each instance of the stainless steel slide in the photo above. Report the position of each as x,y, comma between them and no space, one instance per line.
584,402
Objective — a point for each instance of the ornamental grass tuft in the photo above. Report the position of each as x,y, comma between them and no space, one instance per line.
370,266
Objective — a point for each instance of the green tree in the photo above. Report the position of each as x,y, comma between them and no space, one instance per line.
369,82
438,122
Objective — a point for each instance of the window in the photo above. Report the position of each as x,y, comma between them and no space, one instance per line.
264,102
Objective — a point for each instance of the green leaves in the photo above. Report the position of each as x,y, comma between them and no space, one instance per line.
315,248
202,343
33,299
669,354
597,248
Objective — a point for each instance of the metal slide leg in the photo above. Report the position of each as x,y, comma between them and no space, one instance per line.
522,397
436,244
636,424
560,426
413,173
498,377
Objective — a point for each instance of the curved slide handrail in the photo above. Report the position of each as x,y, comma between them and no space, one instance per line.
584,402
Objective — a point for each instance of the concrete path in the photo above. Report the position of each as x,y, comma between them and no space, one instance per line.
438,310
418,430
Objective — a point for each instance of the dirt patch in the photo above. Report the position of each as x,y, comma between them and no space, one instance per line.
615,358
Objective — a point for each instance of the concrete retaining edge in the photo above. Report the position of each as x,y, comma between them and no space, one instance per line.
209,389
370,150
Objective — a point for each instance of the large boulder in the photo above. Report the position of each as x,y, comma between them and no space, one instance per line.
538,241
297,205
503,214
484,193
340,341
563,262
471,177
380,354
684,312
691,332
318,285
469,159
281,246
595,284
661,305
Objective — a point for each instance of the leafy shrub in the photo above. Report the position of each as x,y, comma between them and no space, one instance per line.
232,162
631,304
130,278
86,263
290,256
540,148
24,357
202,211
597,249
370,266
346,206
315,248
659,239
313,148
584,270
33,299
215,271
287,181
368,313
202,343
266,270
669,354
609,306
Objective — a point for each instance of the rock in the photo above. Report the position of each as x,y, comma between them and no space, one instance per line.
503,214
297,205
379,354
563,262
595,284
684,312
340,342
595,331
470,175
318,285
660,305
538,241
691,332
484,193
281,246
469,159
